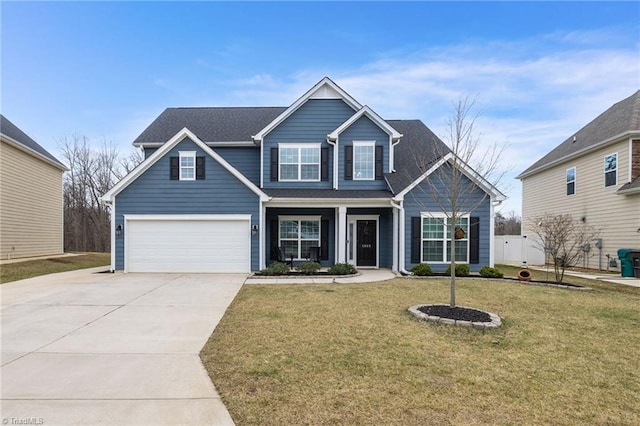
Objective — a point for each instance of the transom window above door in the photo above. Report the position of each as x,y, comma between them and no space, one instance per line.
299,162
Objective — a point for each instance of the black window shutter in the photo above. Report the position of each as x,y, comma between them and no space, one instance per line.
379,162
200,168
324,240
474,240
348,163
174,168
416,239
274,164
324,164
274,238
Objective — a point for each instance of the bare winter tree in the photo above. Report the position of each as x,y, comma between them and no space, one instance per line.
563,238
92,172
463,162
511,224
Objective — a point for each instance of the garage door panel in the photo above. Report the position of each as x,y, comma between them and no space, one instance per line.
188,246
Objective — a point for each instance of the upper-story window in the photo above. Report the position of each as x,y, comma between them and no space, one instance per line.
611,170
299,162
571,181
187,165
363,160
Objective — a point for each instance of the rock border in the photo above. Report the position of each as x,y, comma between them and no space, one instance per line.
494,323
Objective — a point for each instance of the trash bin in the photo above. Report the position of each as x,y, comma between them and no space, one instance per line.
626,262
635,262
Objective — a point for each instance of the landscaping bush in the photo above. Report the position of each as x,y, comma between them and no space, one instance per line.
308,268
276,268
422,270
462,270
342,269
489,272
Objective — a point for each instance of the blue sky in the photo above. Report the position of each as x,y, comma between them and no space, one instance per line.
105,70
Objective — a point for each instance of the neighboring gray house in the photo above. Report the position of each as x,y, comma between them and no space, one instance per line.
231,189
31,212
594,175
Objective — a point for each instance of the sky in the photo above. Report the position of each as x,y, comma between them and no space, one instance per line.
539,71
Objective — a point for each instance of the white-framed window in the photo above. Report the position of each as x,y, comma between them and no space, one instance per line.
364,158
436,238
297,234
299,162
187,165
571,181
611,170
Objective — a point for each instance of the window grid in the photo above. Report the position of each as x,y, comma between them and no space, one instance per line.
611,170
571,181
187,165
436,236
299,163
363,161
297,236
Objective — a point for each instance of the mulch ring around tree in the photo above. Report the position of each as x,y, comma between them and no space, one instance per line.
459,315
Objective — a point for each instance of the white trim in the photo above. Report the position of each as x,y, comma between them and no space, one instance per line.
371,144
466,170
446,217
261,235
299,146
18,145
579,153
328,202
604,170
353,245
492,238
395,240
301,100
113,235
371,115
211,144
160,152
186,154
341,242
630,159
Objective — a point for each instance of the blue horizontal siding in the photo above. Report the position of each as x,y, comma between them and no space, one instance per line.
154,193
245,159
312,122
362,129
421,199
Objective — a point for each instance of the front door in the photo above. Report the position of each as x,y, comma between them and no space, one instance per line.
366,243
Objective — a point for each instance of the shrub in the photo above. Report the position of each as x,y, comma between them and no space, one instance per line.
422,270
308,268
489,272
342,269
462,270
276,268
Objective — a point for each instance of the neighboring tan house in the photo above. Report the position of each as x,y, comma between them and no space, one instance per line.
31,210
234,189
594,175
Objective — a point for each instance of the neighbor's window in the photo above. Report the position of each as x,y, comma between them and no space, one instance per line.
571,181
187,165
611,170
297,235
299,162
363,160
436,239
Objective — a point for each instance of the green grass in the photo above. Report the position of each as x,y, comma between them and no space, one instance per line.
351,354
33,268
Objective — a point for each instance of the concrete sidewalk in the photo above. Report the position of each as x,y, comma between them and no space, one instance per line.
616,279
85,348
363,276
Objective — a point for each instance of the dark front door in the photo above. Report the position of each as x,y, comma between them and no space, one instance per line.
367,241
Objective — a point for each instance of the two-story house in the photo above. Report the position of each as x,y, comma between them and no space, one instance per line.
229,189
594,175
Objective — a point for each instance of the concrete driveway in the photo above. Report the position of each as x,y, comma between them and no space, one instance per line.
83,347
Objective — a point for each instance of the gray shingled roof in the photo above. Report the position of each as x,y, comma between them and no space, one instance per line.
622,117
419,147
210,124
325,193
629,186
12,131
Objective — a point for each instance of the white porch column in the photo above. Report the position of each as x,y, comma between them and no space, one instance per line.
342,235
394,244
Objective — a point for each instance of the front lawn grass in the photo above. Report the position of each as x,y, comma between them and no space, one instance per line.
351,354
33,268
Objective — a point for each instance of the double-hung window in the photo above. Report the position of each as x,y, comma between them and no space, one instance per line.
187,165
571,181
299,162
436,239
298,234
363,160
611,170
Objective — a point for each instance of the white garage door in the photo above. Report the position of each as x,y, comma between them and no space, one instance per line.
220,243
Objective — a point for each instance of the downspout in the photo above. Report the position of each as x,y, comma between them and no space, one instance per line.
335,161
401,238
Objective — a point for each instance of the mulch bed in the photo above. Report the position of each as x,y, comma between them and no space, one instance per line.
455,313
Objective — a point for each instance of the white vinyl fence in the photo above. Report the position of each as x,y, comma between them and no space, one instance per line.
515,250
